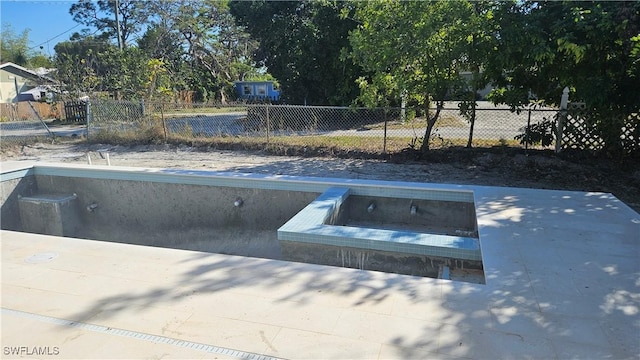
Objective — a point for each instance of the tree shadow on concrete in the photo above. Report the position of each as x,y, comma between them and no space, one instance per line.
554,289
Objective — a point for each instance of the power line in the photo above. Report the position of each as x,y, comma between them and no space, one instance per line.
62,33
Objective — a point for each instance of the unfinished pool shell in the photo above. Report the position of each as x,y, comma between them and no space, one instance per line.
561,270
414,230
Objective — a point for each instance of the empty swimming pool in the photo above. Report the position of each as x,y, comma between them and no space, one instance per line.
407,228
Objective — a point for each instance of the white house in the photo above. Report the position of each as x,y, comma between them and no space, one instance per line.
18,83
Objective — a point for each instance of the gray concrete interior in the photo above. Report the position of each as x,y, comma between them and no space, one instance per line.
52,214
432,216
226,220
10,191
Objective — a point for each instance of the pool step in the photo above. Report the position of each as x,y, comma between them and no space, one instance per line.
315,225
49,214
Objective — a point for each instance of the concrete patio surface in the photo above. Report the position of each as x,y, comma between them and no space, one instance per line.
562,282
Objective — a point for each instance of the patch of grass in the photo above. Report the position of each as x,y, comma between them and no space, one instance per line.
150,130
147,131
420,124
289,145
318,145
202,110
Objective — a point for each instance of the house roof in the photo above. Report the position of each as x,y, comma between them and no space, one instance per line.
24,72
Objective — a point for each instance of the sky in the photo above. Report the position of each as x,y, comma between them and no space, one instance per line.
49,21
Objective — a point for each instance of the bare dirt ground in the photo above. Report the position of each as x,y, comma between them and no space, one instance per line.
494,167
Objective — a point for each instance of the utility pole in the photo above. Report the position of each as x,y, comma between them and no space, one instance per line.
118,25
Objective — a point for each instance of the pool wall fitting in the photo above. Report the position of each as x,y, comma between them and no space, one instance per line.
436,216
317,224
149,206
153,200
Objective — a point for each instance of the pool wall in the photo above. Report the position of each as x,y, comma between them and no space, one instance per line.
316,224
439,216
138,205
152,206
11,189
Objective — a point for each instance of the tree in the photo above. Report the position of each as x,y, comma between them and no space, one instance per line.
158,84
591,47
14,48
159,42
303,45
76,63
41,61
417,48
124,73
83,47
529,51
217,50
92,64
480,30
76,75
101,15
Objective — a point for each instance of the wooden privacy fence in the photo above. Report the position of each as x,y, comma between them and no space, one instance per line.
21,111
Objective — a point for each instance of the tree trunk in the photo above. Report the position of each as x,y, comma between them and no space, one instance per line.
431,121
472,121
223,97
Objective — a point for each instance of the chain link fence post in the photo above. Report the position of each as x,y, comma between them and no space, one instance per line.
561,118
384,140
89,118
527,132
267,122
164,123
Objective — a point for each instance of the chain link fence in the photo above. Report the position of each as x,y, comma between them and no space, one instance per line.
373,130
370,130
22,123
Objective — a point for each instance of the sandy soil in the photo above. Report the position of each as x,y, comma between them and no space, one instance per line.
495,167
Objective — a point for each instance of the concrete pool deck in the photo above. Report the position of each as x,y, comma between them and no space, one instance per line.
562,276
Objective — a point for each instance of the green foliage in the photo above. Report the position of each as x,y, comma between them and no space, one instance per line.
540,133
303,45
161,43
101,15
14,48
202,36
90,65
413,50
590,47
526,49
379,53
78,65
191,45
158,82
76,74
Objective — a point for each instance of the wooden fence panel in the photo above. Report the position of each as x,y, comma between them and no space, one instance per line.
75,112
20,111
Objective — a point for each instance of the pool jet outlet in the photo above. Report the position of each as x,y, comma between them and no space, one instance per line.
371,207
